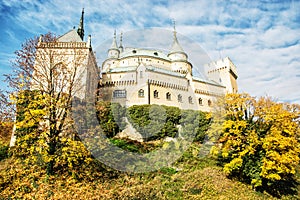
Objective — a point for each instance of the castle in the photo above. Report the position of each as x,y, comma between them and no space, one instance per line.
131,76
135,76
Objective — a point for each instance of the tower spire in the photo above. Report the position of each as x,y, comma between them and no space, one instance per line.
114,42
80,29
121,39
176,46
176,53
174,29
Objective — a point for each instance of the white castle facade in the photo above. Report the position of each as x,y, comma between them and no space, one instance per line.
136,76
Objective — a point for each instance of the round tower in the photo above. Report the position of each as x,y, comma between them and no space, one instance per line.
113,51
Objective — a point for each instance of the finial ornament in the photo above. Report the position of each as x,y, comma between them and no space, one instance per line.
40,39
174,27
121,45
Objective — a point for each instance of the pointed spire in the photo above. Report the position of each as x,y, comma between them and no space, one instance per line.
80,29
176,46
121,39
114,43
174,29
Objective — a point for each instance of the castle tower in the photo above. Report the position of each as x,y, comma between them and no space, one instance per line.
73,62
75,55
178,57
224,72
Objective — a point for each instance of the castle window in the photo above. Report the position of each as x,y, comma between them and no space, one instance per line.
190,100
155,53
119,94
209,102
188,82
155,94
179,98
141,74
141,93
200,101
168,96
134,51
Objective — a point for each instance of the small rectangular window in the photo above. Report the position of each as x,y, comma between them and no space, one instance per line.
119,94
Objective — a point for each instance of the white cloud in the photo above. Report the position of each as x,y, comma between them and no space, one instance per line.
260,37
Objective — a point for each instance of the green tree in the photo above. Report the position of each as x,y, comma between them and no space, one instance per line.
111,117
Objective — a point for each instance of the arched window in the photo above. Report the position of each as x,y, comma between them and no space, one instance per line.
141,93
190,100
200,101
209,102
155,93
141,74
168,96
179,97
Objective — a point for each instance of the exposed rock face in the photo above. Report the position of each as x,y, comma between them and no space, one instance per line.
130,132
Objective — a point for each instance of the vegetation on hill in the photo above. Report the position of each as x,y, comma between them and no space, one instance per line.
190,177
153,122
193,176
255,153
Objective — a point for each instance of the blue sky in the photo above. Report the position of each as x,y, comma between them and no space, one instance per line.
261,37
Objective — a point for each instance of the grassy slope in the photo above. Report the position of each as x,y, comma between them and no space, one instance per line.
197,178
190,177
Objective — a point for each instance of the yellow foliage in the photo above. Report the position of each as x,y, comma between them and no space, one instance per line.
262,134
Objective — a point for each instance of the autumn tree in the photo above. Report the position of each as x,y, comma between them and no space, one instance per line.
259,142
48,75
6,115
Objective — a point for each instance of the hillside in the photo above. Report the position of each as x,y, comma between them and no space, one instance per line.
191,177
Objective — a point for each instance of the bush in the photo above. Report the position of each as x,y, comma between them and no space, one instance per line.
156,122
110,116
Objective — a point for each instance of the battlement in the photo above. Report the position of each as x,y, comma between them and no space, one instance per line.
63,45
224,63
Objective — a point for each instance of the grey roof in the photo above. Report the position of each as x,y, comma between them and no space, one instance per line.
143,52
165,71
207,81
122,69
150,68
176,48
71,36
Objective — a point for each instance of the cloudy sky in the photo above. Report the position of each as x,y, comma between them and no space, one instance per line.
262,38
